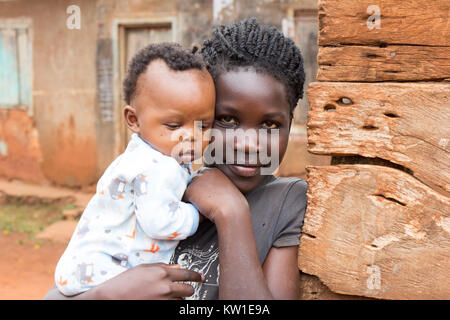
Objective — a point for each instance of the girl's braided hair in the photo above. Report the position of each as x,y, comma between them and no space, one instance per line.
258,47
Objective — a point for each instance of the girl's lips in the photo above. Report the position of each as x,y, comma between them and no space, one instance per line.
244,171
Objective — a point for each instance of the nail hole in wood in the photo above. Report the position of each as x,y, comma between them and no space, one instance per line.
369,127
329,108
344,101
390,115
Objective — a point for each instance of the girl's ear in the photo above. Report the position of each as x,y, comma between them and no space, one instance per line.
131,119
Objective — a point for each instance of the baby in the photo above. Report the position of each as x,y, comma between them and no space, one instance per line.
136,215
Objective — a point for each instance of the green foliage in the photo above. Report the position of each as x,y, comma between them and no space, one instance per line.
28,219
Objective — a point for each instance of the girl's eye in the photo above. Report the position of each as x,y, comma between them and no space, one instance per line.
270,125
227,119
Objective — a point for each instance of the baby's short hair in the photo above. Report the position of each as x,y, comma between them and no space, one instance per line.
173,54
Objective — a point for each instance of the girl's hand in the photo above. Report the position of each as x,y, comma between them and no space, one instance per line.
215,195
149,282
156,281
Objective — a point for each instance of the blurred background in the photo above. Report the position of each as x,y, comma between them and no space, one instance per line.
61,67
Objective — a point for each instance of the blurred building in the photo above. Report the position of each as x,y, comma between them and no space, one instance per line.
62,63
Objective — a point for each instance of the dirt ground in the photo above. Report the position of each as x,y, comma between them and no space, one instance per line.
27,264
26,269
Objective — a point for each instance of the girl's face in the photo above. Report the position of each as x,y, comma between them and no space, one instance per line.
250,100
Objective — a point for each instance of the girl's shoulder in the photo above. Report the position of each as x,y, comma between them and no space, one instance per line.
280,189
278,208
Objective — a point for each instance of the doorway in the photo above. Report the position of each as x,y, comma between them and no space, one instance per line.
132,37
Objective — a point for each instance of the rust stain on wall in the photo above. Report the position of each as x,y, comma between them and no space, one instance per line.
73,160
20,155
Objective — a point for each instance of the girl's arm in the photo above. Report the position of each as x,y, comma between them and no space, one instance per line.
241,274
281,272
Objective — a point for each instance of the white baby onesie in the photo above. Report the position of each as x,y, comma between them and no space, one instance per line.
135,217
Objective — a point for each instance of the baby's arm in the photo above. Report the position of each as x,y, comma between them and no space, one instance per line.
158,206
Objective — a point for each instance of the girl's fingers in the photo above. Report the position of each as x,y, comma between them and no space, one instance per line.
181,289
178,274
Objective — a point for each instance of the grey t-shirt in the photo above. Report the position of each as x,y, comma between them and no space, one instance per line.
277,207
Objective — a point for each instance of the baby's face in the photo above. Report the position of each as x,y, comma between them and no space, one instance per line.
166,107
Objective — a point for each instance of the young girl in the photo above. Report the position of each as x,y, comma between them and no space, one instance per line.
254,220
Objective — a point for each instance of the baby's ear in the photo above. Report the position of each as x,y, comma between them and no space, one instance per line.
131,119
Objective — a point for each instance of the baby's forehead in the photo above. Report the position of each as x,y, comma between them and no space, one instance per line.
175,92
159,75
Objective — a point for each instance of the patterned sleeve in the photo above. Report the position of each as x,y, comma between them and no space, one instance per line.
158,206
290,221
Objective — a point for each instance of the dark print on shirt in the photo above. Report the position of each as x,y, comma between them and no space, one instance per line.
203,261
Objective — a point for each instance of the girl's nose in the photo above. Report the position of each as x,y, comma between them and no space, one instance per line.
246,141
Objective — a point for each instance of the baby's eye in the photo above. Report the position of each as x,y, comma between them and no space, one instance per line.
172,126
270,125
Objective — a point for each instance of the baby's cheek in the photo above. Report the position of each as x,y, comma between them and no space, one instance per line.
168,147
204,145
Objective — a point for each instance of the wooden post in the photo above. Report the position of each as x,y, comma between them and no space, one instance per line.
378,219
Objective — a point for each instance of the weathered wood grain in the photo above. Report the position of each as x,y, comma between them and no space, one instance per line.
311,288
393,63
376,231
407,124
415,22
